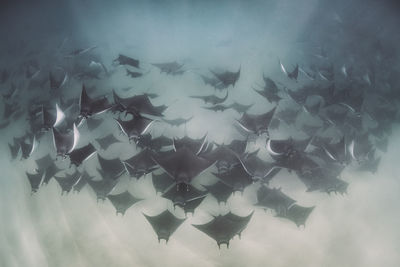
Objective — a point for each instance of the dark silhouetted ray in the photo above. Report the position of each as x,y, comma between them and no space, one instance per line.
224,227
220,191
93,123
110,168
227,78
122,201
81,154
181,194
91,106
65,143
273,199
161,182
34,180
172,68
183,165
164,224
194,145
297,214
237,178
212,99
102,187
256,124
178,121
135,127
106,141
66,183
140,164
125,60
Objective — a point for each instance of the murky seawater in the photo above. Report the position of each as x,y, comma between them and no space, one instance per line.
347,80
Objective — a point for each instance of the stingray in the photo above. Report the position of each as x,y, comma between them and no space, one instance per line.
66,183
178,121
183,165
44,162
338,151
237,178
370,163
140,164
81,51
133,74
169,67
227,78
360,147
212,99
238,146
223,228
135,127
156,143
291,75
284,146
218,107
125,60
51,118
225,158
27,148
273,198
83,180
79,155
57,84
275,123
194,145
269,91
297,214
258,168
89,106
65,142
182,194
35,180
290,154
214,82
123,201
288,115
137,105
110,168
106,141
161,182
310,130
335,117
192,205
49,172
220,191
327,73
240,108
256,124
88,75
323,180
298,96
164,224
93,123
312,108
102,187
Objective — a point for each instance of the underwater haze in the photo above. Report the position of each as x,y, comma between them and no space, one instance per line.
290,107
